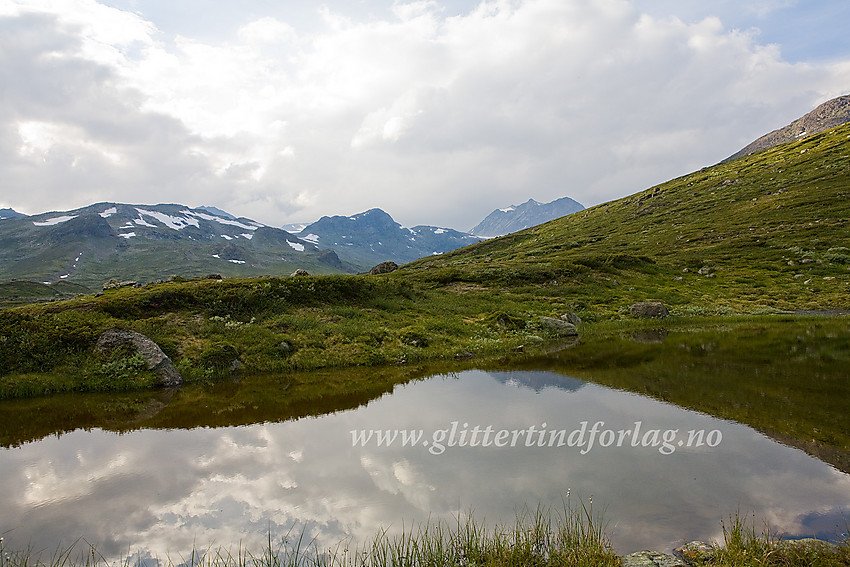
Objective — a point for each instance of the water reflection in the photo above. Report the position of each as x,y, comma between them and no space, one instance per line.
167,490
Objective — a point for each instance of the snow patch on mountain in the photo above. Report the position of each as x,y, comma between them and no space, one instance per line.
55,220
220,220
176,223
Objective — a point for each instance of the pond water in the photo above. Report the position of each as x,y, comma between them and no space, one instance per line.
487,442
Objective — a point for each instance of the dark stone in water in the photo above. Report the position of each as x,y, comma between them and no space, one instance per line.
649,336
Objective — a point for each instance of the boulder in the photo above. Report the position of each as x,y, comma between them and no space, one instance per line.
649,310
651,559
559,327
115,284
383,268
694,552
156,360
571,318
299,272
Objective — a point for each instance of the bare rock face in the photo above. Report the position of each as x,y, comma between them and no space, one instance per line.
156,360
383,268
649,310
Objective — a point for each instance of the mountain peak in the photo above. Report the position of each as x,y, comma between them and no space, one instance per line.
518,217
828,115
216,211
10,214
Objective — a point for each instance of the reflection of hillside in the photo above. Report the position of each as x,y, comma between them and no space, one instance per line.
254,399
537,381
785,378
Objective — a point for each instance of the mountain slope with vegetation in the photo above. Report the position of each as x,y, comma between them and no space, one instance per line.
767,231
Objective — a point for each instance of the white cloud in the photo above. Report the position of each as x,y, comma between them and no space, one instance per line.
436,118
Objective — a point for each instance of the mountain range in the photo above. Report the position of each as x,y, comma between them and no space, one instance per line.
144,243
519,217
93,244
373,236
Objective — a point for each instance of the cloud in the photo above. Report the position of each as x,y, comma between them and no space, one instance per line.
436,118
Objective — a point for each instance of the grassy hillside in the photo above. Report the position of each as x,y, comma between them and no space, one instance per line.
771,230
23,292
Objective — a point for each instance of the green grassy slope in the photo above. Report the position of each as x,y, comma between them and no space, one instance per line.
771,230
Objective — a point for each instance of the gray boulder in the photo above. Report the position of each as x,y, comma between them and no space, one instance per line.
383,268
559,327
651,559
156,360
299,272
649,310
571,318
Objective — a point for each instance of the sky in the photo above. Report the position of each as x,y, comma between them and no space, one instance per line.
436,111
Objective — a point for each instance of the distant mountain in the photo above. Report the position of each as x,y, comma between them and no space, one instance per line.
826,116
10,214
295,227
519,217
216,211
372,237
148,242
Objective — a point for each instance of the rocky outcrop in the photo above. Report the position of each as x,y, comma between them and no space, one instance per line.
649,310
559,327
383,268
156,360
299,272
